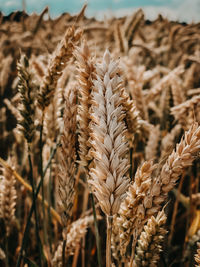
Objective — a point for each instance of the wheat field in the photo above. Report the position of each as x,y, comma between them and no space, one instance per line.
100,141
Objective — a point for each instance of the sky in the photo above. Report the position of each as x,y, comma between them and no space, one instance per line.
182,10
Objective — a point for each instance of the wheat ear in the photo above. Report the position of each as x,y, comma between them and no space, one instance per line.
86,74
197,255
109,147
27,90
73,236
120,38
57,64
150,242
155,191
108,142
132,117
179,159
67,158
132,210
8,197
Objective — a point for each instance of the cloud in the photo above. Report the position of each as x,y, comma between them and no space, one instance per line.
12,3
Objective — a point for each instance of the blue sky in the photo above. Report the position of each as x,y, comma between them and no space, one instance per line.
183,10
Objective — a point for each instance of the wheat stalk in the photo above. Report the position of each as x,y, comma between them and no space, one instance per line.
152,144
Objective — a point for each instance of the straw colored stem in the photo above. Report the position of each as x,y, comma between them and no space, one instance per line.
108,241
98,241
175,211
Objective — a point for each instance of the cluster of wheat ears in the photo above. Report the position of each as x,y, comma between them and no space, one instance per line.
101,132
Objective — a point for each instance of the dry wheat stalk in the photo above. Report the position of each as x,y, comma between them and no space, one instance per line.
12,109
154,91
189,76
27,90
177,90
152,144
86,74
77,231
181,112
192,92
8,197
109,146
139,18
167,142
38,66
132,210
150,243
115,241
57,64
131,23
132,118
121,42
5,72
67,157
164,102
137,95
